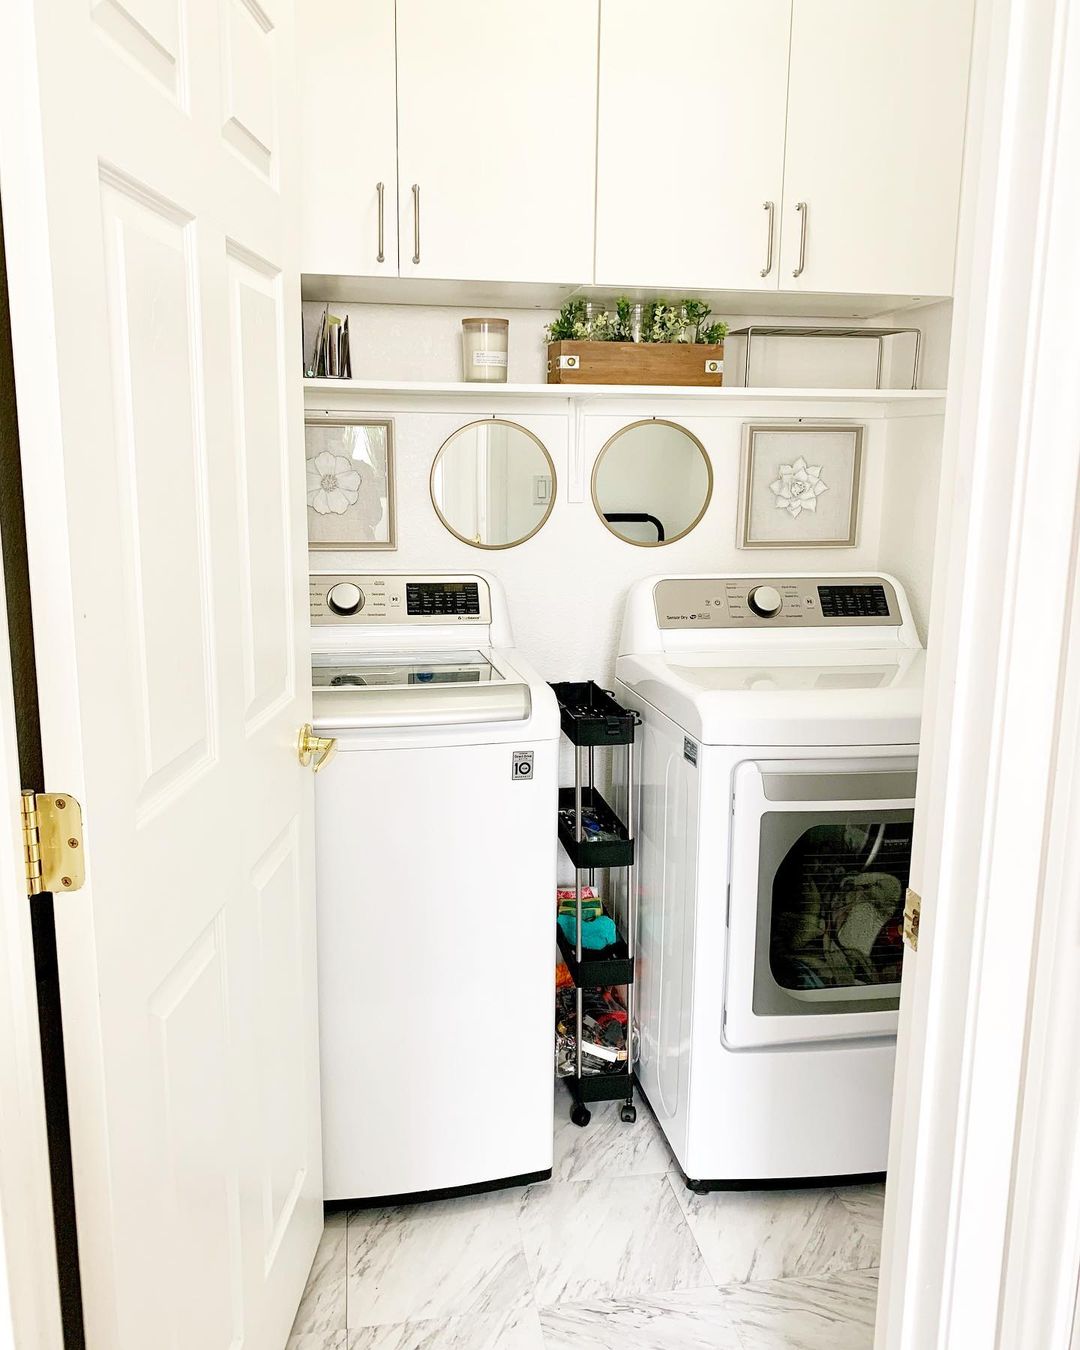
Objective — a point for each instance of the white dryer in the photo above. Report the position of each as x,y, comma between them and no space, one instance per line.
776,771
435,888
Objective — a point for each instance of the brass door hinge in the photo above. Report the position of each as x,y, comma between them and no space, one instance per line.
912,912
52,842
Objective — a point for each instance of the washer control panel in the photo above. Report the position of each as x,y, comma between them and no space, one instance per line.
344,597
774,602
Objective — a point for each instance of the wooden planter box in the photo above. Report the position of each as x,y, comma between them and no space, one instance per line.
635,363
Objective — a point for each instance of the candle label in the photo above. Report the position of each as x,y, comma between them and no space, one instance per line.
489,358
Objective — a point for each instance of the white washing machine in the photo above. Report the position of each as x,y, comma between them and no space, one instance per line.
435,883
776,770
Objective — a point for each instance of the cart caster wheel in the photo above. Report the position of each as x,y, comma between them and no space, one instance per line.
698,1187
628,1113
580,1116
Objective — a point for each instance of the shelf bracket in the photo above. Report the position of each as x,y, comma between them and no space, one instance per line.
575,459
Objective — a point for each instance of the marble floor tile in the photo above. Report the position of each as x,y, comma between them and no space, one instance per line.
694,1319
607,1147
322,1308
438,1260
518,1329
607,1238
835,1313
771,1235
866,1205
319,1340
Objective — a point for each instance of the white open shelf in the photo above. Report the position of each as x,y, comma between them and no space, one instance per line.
921,399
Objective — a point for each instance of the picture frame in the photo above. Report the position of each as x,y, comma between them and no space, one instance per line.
799,484
350,481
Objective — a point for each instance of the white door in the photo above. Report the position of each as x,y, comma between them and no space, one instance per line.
149,196
497,139
820,856
690,172
348,131
875,133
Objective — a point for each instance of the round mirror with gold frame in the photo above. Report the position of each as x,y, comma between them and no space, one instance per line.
493,484
652,483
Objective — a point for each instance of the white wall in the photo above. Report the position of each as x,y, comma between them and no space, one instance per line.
566,586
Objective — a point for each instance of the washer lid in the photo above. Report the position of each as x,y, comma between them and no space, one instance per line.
415,689
786,696
369,670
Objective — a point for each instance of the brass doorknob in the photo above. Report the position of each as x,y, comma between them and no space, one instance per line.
312,749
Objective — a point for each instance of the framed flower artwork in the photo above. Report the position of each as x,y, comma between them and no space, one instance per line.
350,481
800,485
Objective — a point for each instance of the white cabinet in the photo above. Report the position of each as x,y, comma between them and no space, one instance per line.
348,103
690,154
713,145
875,128
497,139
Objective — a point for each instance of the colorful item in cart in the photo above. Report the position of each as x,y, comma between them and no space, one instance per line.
591,905
593,831
563,978
597,930
595,935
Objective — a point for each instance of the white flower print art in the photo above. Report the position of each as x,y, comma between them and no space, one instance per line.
800,484
333,483
350,482
797,487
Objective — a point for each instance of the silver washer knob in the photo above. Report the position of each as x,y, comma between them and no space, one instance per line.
345,598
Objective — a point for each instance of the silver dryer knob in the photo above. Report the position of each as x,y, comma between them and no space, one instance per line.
765,600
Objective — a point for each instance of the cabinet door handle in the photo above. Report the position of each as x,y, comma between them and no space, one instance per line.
416,222
768,254
380,189
801,208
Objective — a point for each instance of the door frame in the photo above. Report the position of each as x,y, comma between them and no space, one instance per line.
30,1308
982,1218
29,1297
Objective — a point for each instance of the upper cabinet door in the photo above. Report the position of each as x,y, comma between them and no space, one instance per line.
497,139
690,168
348,106
876,114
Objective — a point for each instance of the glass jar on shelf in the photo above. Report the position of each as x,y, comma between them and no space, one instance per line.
483,350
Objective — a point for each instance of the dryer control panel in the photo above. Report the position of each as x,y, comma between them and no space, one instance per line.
350,598
775,602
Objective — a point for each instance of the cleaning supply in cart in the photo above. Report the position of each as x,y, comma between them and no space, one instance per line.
595,935
593,828
603,1040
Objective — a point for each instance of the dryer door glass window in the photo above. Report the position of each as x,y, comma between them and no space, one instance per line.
830,910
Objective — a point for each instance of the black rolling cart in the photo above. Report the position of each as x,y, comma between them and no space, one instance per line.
594,837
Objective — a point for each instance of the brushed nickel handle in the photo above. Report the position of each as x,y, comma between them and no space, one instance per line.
314,750
801,208
416,222
768,255
380,188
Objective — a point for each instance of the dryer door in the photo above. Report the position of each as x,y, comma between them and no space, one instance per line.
821,851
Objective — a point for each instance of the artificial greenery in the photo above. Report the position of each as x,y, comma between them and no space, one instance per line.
660,322
571,324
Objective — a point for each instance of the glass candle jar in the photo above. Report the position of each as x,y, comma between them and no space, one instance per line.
483,349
